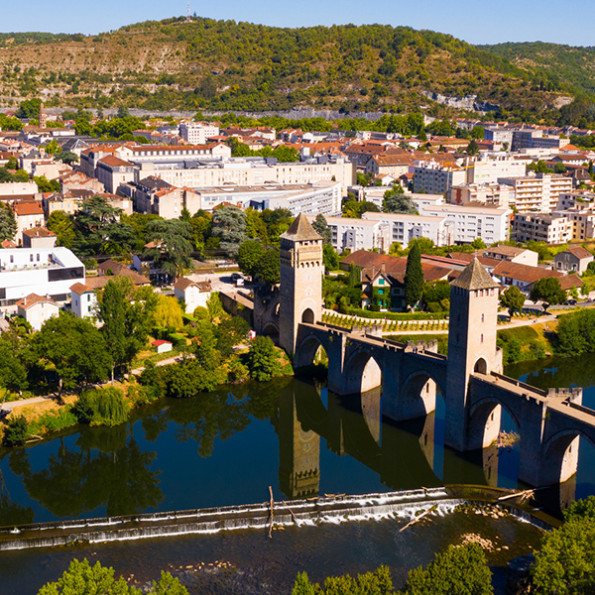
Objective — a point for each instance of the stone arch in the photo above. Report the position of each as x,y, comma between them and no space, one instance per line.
484,422
362,373
271,330
560,456
308,316
481,366
417,395
306,350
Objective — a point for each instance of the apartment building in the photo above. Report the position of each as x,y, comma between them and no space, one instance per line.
433,178
197,133
405,228
488,169
359,234
538,193
491,194
542,227
469,223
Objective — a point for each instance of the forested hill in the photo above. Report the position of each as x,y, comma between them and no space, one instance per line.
208,64
561,63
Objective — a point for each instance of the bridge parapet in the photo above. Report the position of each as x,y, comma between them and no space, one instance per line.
421,346
569,395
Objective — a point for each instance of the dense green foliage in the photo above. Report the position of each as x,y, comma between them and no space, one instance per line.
102,406
521,343
414,277
83,579
549,291
459,569
512,299
263,361
566,562
16,431
576,333
377,582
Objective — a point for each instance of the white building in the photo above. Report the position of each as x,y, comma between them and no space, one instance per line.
538,193
405,228
542,227
469,223
42,271
359,234
83,300
192,294
36,309
493,166
197,133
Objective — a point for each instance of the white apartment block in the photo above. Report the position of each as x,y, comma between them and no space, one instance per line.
577,198
409,227
491,194
542,227
433,178
469,223
197,133
359,234
488,169
538,193
249,171
582,220
42,271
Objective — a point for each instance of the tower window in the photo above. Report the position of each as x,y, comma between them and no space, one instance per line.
482,337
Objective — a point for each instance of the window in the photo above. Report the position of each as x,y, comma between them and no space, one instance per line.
380,281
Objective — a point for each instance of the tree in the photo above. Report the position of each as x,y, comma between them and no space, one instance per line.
229,225
83,579
171,245
45,185
127,314
67,157
513,300
29,109
63,226
75,348
477,132
459,569
263,362
549,291
377,582
321,226
330,258
414,277
16,431
566,562
395,201
13,375
168,312
472,147
215,307
8,223
269,267
249,255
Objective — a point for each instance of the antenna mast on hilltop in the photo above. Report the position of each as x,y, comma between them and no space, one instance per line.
188,19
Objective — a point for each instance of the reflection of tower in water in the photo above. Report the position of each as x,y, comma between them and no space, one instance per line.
299,452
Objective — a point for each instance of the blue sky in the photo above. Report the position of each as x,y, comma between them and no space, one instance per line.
476,21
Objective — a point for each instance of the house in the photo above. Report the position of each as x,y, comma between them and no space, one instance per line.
161,346
383,277
192,294
39,237
574,259
83,300
27,215
524,276
512,254
36,309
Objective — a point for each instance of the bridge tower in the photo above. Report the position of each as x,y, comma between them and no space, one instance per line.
471,345
301,280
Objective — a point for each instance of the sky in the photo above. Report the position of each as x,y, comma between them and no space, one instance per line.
476,21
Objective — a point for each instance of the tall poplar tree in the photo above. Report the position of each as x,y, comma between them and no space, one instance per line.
414,277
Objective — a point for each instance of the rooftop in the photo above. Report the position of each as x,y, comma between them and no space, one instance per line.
473,277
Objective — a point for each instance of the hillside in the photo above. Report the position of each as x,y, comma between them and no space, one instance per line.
574,66
208,64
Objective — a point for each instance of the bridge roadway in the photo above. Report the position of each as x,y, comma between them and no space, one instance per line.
549,423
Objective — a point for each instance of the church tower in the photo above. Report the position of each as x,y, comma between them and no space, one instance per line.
301,280
471,342
42,116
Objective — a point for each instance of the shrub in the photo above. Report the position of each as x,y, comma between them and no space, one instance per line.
53,421
102,406
16,431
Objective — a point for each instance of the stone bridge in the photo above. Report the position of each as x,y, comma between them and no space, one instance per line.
410,376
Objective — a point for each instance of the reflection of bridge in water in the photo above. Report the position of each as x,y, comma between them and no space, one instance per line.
470,379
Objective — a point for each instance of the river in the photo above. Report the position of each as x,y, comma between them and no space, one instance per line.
226,448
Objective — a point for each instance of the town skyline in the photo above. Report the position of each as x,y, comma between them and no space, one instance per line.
511,22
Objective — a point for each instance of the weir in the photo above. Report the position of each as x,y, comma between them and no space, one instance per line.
405,505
